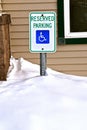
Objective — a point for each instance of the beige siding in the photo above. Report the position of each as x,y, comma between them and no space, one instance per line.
71,59
0,5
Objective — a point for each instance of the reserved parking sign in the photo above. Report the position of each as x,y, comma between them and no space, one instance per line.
42,32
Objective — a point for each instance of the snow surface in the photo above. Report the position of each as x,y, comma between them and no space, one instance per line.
29,101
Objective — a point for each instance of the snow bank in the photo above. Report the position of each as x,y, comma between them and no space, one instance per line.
29,101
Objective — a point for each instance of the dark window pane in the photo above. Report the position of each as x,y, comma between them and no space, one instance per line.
78,15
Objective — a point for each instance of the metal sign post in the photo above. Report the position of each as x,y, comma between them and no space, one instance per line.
43,61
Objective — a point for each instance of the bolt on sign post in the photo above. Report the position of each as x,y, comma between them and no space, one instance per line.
42,36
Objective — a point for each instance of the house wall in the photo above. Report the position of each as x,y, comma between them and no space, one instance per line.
70,59
0,6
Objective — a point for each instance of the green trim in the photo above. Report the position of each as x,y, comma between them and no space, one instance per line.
55,32
29,32
61,40
60,18
76,41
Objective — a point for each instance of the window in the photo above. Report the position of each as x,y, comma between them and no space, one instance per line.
72,21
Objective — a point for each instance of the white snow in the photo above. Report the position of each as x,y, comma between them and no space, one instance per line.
29,101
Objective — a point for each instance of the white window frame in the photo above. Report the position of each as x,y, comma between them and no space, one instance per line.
67,32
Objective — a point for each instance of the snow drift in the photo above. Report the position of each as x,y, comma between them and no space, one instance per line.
29,101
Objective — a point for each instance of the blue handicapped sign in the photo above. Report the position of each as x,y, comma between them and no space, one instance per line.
42,37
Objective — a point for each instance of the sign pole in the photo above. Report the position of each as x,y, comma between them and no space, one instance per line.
43,61
42,36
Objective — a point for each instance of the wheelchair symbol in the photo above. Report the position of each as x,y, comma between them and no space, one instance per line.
41,38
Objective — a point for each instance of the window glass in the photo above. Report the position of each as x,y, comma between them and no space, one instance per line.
78,15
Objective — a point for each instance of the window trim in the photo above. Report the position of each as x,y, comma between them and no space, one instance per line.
64,34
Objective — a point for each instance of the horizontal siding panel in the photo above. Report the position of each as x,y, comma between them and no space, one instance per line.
79,73
27,6
27,1
27,55
19,49
66,61
35,60
19,21
76,54
56,55
17,14
73,47
19,28
69,67
23,13
15,42
71,72
20,35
